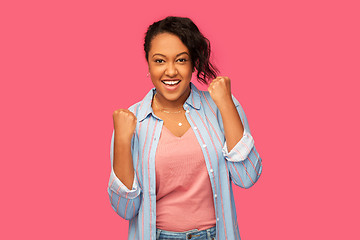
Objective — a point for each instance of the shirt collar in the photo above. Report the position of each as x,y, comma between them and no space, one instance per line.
145,106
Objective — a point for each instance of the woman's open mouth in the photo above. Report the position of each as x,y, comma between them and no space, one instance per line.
171,84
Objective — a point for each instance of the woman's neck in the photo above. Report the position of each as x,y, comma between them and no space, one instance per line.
164,103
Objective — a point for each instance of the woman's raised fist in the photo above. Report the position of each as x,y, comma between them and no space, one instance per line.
124,123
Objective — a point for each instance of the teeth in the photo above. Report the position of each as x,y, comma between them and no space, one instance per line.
171,82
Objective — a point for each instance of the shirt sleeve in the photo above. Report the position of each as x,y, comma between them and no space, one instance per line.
125,202
243,161
241,150
117,186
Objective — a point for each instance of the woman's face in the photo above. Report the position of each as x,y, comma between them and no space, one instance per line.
170,67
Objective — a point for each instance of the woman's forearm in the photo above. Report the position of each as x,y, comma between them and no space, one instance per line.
123,162
232,124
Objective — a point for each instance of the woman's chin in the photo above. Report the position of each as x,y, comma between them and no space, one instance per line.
174,96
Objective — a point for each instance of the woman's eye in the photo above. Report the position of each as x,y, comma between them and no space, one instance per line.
182,60
159,61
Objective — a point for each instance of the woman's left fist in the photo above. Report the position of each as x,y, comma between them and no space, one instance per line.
220,91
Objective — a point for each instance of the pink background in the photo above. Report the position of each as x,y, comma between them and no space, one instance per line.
65,66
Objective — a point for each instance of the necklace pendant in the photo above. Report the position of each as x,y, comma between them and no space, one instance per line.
180,124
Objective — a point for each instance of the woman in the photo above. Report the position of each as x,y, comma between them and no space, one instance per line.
175,153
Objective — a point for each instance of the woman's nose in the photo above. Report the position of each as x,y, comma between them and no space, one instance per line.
171,70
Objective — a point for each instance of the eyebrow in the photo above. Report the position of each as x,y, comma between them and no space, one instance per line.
176,54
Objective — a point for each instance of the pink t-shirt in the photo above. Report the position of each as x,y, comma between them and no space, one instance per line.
184,198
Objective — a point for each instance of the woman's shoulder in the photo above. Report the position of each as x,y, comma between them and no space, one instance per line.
135,107
209,103
205,97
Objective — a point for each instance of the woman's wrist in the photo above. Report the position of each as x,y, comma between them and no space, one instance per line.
226,105
122,139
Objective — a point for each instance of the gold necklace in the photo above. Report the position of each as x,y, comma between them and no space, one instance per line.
179,124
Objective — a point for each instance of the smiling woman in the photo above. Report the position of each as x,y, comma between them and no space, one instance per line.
170,69
175,153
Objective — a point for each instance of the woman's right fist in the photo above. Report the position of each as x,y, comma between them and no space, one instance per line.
124,123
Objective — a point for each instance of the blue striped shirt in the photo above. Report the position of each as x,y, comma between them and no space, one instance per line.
242,165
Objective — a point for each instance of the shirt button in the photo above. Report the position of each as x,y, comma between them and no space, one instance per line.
195,128
215,196
187,111
211,170
204,145
217,219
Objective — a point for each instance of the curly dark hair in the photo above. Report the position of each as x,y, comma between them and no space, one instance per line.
193,39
